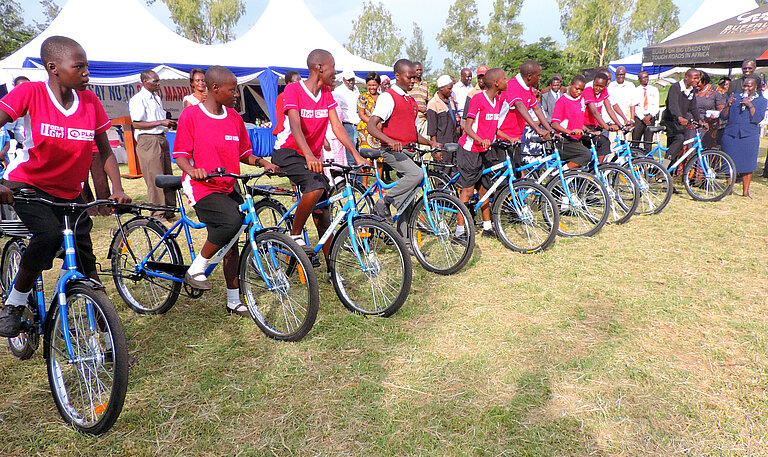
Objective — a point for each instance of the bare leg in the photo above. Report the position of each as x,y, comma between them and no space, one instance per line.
485,208
231,262
464,196
304,209
747,180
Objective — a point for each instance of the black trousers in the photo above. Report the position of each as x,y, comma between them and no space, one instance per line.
675,139
640,132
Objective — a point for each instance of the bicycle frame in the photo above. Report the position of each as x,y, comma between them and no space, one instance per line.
552,163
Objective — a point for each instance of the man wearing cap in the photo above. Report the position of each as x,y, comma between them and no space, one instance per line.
346,95
481,71
442,118
420,93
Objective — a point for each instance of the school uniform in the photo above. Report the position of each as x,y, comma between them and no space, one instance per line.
603,144
569,113
513,123
472,158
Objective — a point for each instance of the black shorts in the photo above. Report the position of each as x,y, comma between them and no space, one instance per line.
294,165
221,215
575,151
471,166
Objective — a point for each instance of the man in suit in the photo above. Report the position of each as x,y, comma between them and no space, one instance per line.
551,95
681,109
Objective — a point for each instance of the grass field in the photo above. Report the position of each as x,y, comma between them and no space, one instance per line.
648,339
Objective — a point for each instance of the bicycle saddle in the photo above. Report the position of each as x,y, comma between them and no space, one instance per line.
370,153
656,128
168,182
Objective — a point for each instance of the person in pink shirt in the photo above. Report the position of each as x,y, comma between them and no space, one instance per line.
212,135
475,154
596,99
62,121
309,107
519,97
568,119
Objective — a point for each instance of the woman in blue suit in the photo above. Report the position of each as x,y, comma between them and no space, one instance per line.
741,138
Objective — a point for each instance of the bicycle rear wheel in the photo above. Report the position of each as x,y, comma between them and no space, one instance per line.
434,244
379,282
527,220
623,191
584,207
655,184
142,293
710,177
24,345
270,212
286,311
364,204
88,388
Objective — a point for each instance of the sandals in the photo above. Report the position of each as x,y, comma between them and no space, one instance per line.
239,309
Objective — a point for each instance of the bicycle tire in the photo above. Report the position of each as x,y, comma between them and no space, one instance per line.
89,391
529,226
711,181
269,212
449,254
655,183
586,212
24,345
278,315
439,180
142,293
357,288
623,190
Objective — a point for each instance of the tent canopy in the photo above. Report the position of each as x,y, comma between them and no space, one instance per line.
725,43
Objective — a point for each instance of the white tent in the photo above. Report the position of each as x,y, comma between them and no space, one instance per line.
710,12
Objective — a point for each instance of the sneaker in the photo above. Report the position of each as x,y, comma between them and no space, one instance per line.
197,282
490,233
10,321
381,209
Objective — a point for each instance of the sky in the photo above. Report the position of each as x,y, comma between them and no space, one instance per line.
540,18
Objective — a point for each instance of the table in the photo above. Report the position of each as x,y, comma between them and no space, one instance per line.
262,141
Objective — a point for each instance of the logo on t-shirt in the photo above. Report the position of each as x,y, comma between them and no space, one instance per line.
231,138
314,114
53,131
492,116
80,134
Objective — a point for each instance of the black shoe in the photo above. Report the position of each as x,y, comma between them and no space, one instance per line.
490,233
10,321
381,209
675,191
461,240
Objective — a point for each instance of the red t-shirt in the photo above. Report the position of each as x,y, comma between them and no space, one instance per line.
280,124
313,111
210,141
486,115
569,113
589,97
513,123
58,157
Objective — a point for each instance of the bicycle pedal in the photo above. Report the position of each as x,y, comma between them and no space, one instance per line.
315,259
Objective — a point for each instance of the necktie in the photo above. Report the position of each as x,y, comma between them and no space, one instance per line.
645,98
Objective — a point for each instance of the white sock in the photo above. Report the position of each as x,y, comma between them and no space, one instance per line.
487,225
198,266
459,230
233,297
16,298
299,239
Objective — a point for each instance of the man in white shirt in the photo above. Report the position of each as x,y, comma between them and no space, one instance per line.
149,126
347,95
462,88
621,92
644,109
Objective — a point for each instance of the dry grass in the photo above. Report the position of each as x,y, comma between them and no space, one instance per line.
648,339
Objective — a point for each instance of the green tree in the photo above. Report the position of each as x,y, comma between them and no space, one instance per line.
545,51
205,21
503,31
13,31
50,11
462,36
416,51
375,36
652,21
592,28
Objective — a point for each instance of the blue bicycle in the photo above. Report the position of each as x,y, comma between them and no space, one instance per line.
276,279
84,341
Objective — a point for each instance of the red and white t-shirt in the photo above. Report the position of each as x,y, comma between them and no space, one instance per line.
513,123
599,100
569,113
57,146
485,112
313,111
210,141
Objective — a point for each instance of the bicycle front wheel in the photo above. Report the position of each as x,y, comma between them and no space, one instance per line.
279,287
710,176
655,184
527,220
378,282
143,293
623,191
583,207
89,387
432,235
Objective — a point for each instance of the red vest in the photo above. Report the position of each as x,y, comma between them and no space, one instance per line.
401,125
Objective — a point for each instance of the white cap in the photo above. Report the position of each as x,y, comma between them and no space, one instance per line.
444,81
348,74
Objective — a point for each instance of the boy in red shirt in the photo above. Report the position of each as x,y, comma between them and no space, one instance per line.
519,97
474,154
64,119
596,98
568,119
212,135
309,107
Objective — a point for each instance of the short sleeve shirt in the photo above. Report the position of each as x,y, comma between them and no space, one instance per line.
313,111
569,113
513,123
590,97
485,112
57,149
210,141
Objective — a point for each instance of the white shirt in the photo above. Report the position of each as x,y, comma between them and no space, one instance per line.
385,104
191,99
461,92
347,98
638,100
621,94
147,107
